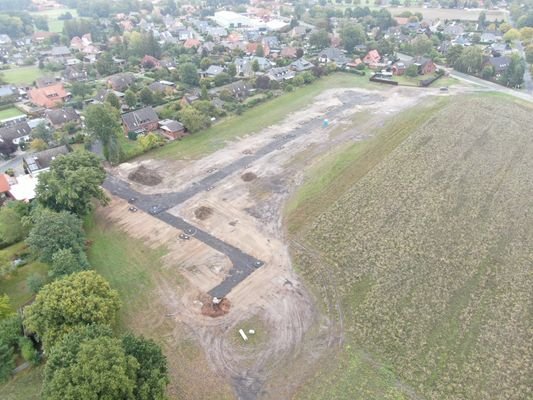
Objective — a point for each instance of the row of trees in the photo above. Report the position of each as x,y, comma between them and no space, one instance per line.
72,316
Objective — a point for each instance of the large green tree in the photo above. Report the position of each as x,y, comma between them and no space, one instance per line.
352,35
89,365
66,262
79,299
188,74
193,119
470,60
72,183
53,231
319,39
102,122
12,228
152,377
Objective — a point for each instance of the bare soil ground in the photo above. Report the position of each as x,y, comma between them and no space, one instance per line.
248,215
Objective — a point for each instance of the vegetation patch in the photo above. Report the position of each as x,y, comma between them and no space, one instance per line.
429,255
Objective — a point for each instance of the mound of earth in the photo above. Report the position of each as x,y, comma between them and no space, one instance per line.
248,177
145,176
203,212
215,310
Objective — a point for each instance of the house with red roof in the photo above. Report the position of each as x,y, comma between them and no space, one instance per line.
49,96
190,43
372,58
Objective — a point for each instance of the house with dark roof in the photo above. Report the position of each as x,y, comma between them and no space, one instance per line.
140,121
239,89
45,81
499,64
332,55
120,82
425,65
61,116
281,74
15,133
212,71
75,74
171,129
301,65
8,94
35,163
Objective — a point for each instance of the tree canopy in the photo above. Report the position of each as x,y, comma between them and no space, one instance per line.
352,35
72,182
82,298
102,122
53,231
92,368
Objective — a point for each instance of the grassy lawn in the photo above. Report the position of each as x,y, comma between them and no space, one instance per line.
129,148
423,240
14,285
19,75
10,113
55,24
257,118
127,264
26,385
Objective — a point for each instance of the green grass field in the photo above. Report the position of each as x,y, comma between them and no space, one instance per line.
19,75
55,24
257,118
15,285
26,385
427,247
10,113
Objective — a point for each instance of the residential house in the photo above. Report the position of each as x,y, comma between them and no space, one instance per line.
48,97
45,81
354,64
15,133
8,94
189,98
425,65
301,65
289,52
21,188
150,62
332,55
239,89
490,37
36,163
372,59
5,40
61,116
298,32
102,94
190,43
251,49
499,64
171,129
140,121
213,71
281,74
162,87
120,82
40,37
75,74
398,68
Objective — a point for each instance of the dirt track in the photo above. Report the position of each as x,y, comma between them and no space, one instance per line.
248,215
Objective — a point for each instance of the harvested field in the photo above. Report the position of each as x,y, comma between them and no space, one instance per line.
429,257
203,212
145,176
248,176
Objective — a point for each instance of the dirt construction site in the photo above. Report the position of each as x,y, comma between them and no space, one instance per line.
243,209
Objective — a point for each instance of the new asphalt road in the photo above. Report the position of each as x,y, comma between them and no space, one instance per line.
158,204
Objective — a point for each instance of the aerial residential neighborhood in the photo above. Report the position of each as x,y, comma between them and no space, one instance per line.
256,199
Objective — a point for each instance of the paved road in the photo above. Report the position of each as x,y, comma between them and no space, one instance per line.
158,204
